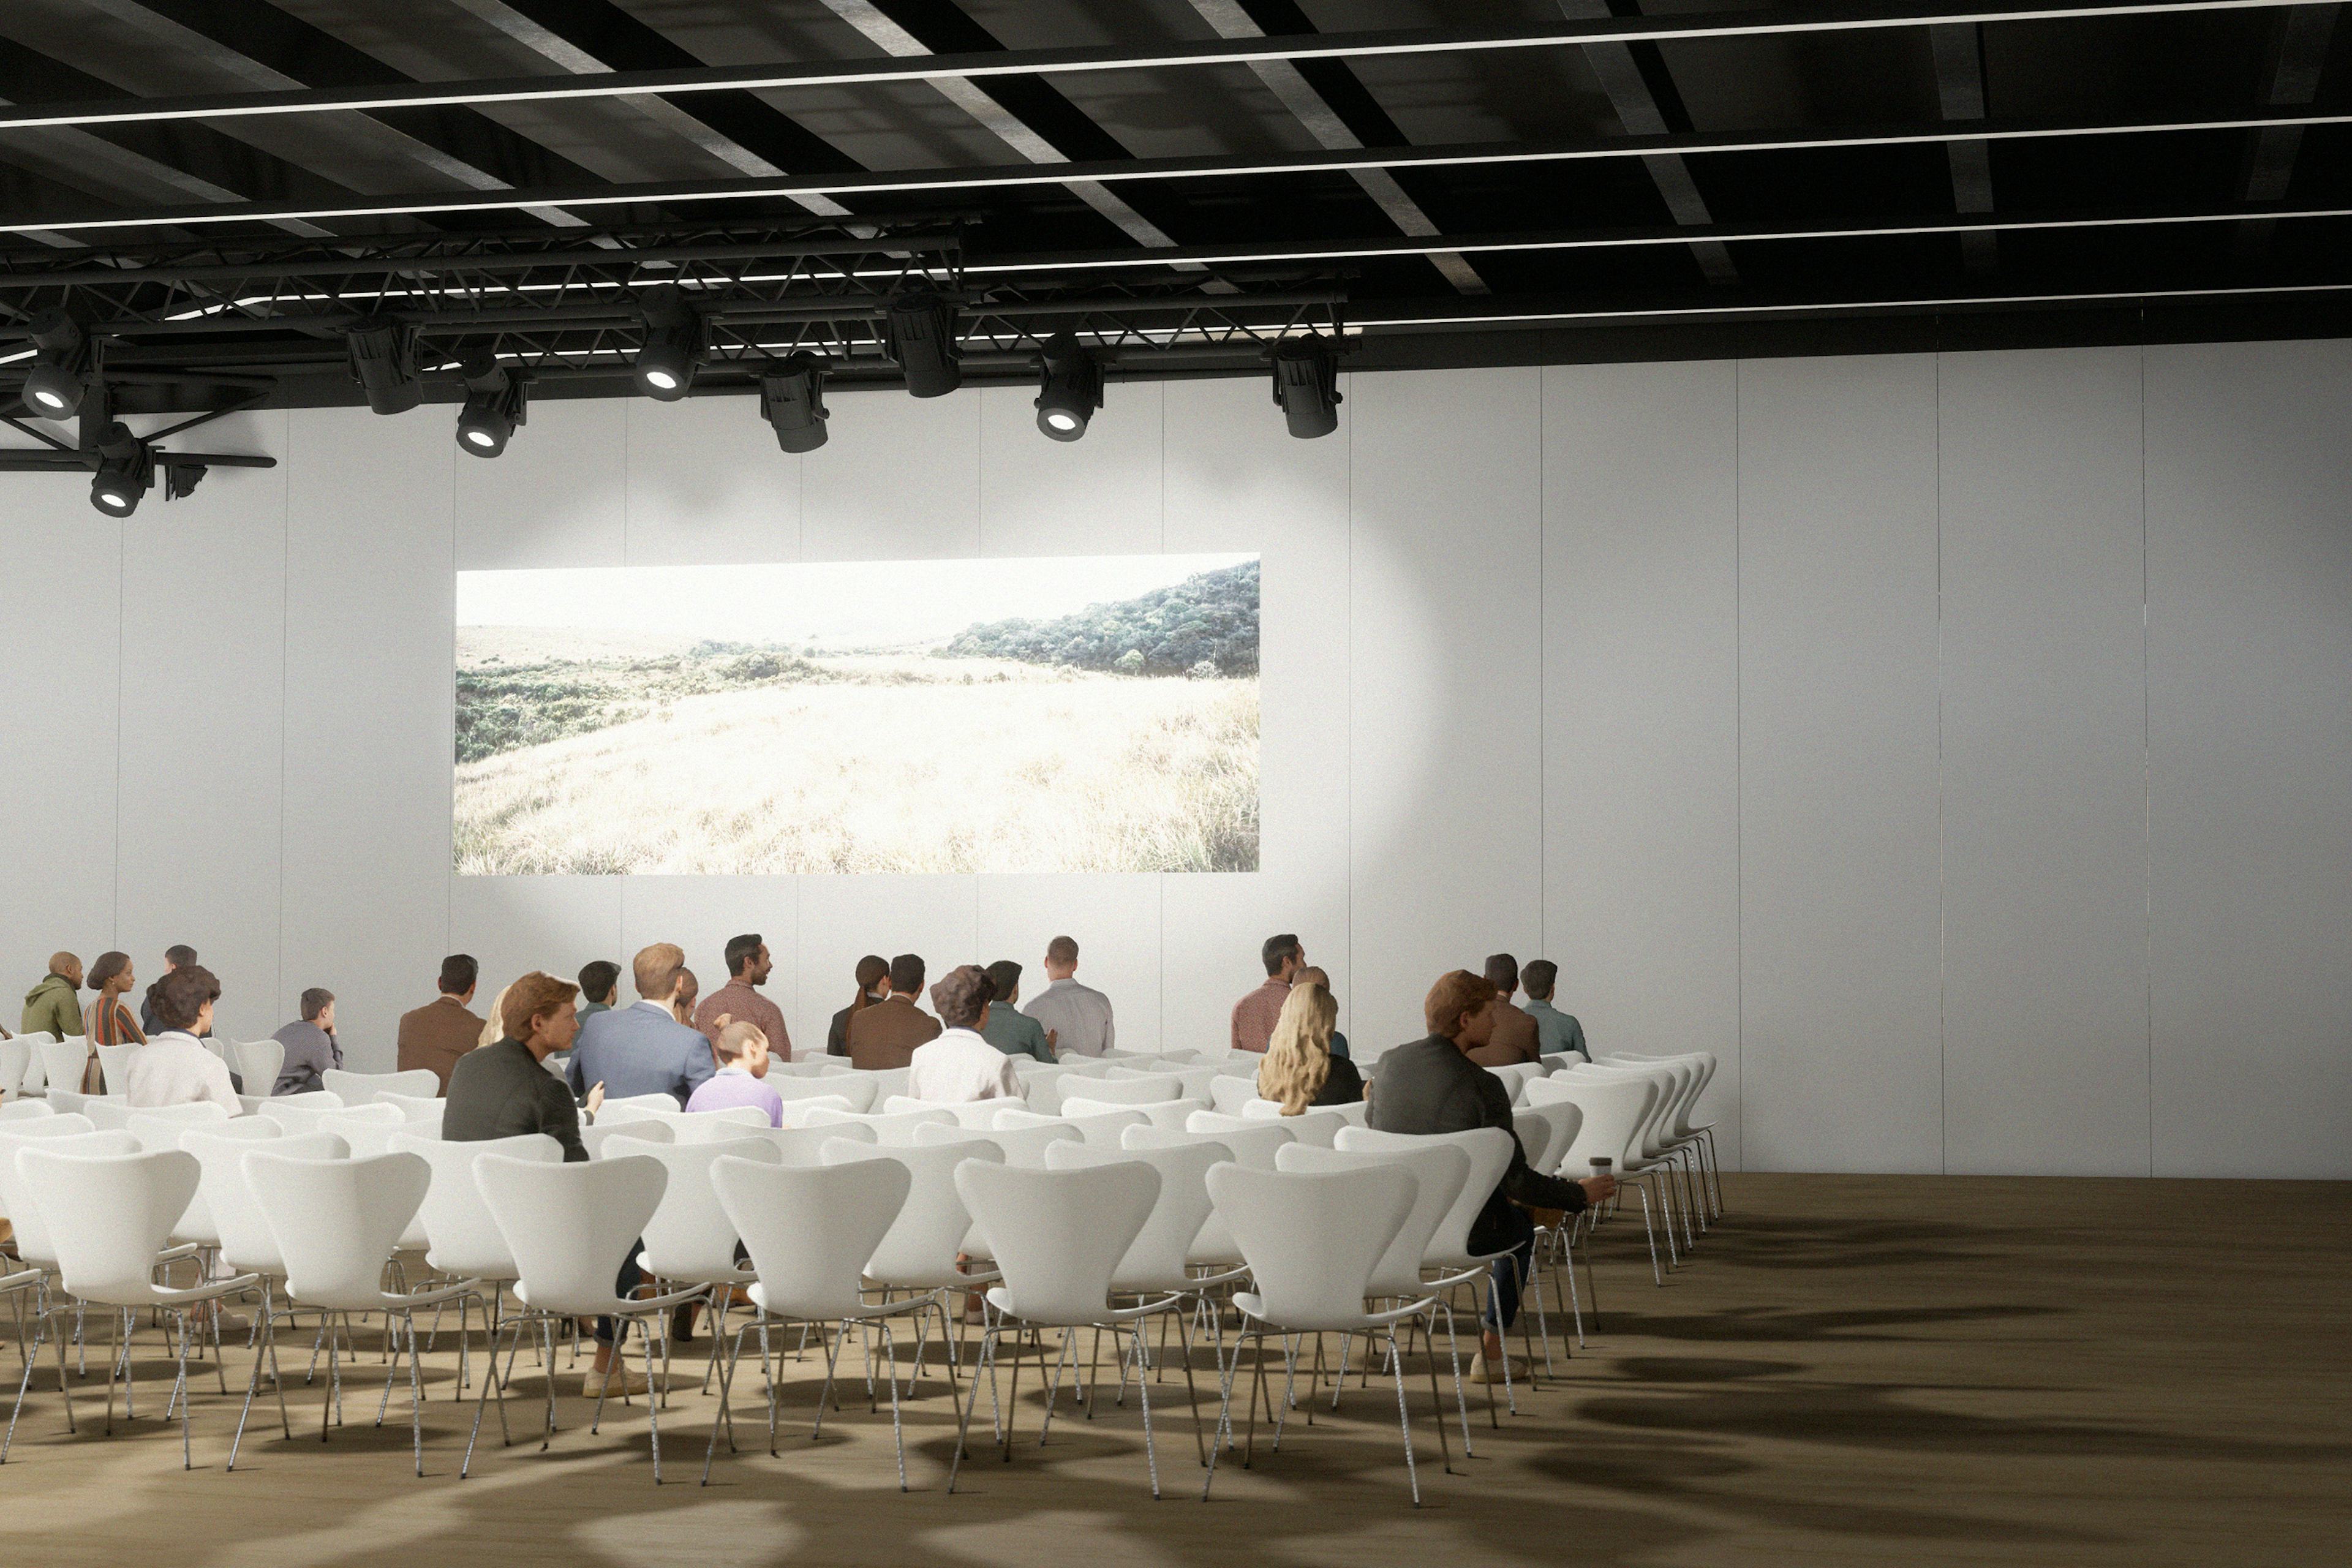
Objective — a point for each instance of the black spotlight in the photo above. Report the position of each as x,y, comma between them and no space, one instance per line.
673,346
126,468
383,354
791,398
496,404
61,376
1307,384
919,330
1070,387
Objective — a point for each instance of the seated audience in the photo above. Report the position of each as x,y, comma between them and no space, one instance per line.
1299,1069
1311,975
173,1068
436,1035
748,965
1254,1014
1009,1029
884,1035
310,1044
177,957
493,1030
1555,1030
961,1065
1514,1037
105,1021
873,985
505,1090
642,1048
1434,1086
681,1006
598,983
1078,1015
53,1007
742,1052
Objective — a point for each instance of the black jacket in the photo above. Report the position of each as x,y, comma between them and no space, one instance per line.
1430,1086
501,1091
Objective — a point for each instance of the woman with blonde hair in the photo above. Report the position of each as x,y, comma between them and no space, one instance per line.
494,1029
1299,1069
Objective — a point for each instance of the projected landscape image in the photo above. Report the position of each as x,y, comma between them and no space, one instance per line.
1083,715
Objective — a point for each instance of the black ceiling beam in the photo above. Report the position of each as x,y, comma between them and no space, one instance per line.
1690,144
1877,15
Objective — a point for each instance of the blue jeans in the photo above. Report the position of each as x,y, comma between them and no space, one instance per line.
612,1331
1517,1237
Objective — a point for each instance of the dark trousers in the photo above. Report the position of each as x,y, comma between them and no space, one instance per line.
1515,1234
612,1331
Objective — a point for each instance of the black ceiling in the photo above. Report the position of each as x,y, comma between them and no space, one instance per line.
219,186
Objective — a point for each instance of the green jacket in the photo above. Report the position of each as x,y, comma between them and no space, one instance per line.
1015,1034
52,1008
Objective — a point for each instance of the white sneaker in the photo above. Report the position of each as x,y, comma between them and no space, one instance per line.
1491,1370
620,1380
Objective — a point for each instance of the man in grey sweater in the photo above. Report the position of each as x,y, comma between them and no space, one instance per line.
310,1044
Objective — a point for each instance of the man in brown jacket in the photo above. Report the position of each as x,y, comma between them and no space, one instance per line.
438,1034
884,1035
1514,1038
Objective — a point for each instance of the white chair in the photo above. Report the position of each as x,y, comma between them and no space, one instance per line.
689,1240
1516,1076
1613,1110
24,1109
335,1222
1318,1125
1312,1241
1058,1237
571,1226
110,1217
15,1064
1159,1260
1654,1153
256,1064
967,1114
299,1112
1227,1094
1135,1089
112,1062
631,1102
1167,1113
857,1090
812,1066
1022,1146
794,1113
1704,1064
419,1110
361,1088
597,1140
1560,1120
810,1231
722,1126
197,1227
461,1240
919,1253
1101,1129
33,1249
107,1112
62,1061
887,1129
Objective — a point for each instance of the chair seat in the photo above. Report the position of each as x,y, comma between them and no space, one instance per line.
1002,1300
1253,1306
863,1312
162,1296
968,1278
609,1306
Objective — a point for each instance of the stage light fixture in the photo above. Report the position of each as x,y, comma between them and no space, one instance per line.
63,360
496,404
126,469
1307,384
181,479
791,398
1070,387
919,332
383,356
673,348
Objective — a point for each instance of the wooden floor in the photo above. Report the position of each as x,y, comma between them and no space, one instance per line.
1851,1370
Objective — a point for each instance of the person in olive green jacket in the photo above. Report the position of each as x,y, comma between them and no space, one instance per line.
54,1006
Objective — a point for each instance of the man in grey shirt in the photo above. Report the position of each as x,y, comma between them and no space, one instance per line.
310,1044
1078,1015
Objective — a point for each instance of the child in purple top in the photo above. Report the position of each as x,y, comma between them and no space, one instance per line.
742,1053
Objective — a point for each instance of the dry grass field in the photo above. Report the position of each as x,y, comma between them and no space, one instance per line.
897,762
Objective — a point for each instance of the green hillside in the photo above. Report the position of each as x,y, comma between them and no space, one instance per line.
1206,625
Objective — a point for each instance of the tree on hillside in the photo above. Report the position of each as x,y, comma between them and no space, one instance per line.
1210,618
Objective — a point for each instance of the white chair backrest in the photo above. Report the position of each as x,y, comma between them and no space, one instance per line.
1101,1129
1313,1239
257,1063
228,1207
690,1238
858,1090
1489,1149
62,1061
722,1126
887,1129
641,1102
368,1129
811,1067
887,1082
419,1110
1439,1173
1699,1067
569,1225
108,1214
966,1113
1666,1083
1228,1093
1316,1124
918,1252
1135,1089
67,1132
112,1060
15,1066
300,1112
24,1109
336,1221
1022,1147
811,1228
1252,1143
361,1088
1515,1077
1169,1113
1155,1260
1059,1236
623,1134
794,1113
108,1112
161,1127
460,1236
804,1146
1558,1122
1612,1111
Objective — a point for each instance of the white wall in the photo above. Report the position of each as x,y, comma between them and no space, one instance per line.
1959,746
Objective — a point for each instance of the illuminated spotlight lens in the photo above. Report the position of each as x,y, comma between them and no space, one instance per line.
662,379
1062,421
481,437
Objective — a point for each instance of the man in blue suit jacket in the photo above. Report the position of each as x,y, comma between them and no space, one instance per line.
643,1048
